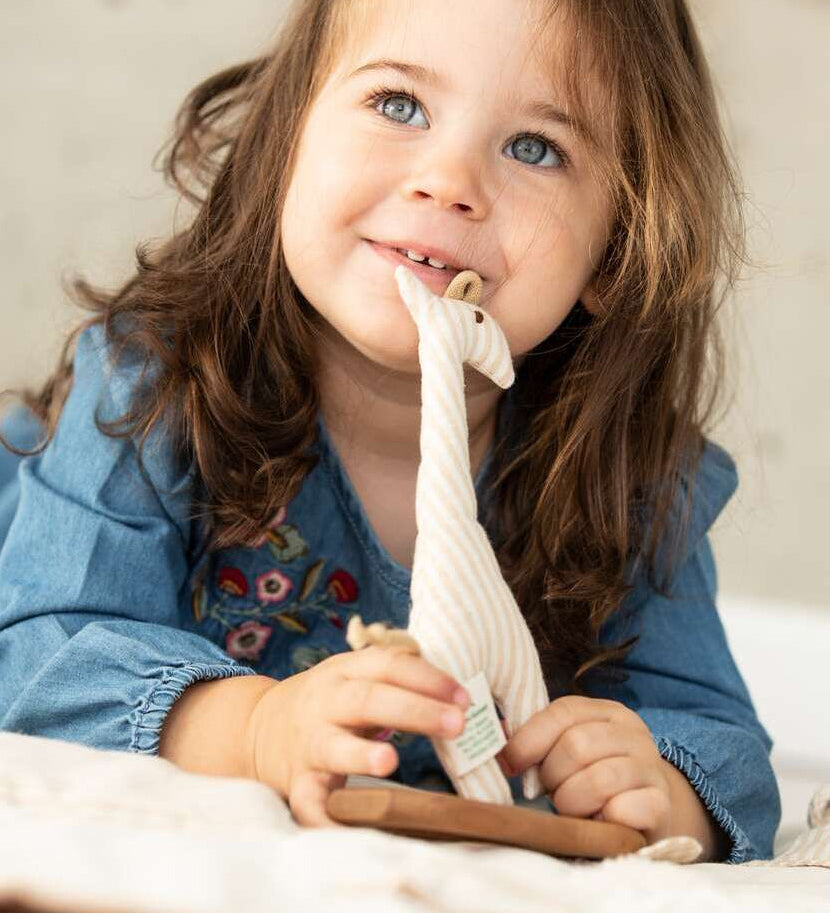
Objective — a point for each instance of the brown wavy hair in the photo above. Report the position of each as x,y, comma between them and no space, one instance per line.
610,409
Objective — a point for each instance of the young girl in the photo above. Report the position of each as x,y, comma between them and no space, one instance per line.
224,472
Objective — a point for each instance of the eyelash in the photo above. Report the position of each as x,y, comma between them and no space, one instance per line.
380,93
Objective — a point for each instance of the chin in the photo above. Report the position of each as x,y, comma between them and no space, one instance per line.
391,345
402,360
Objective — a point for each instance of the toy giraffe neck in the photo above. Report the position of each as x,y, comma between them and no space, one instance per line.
452,331
444,437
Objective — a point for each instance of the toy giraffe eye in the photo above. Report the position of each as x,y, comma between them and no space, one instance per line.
479,317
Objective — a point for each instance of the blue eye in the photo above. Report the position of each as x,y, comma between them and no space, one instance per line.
399,105
400,108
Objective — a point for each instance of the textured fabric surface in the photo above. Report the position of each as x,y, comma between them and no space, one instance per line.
83,829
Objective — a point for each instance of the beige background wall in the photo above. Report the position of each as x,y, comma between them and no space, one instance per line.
88,89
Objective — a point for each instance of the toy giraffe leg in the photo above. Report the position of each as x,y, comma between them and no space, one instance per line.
463,614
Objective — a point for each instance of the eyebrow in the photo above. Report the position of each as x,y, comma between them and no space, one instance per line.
539,109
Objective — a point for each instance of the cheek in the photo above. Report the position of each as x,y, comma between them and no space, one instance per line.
562,244
322,201
326,183
547,274
541,311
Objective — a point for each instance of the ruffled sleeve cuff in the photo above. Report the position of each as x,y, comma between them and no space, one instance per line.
683,760
148,719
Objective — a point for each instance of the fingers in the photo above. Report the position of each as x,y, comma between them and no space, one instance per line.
339,751
539,735
332,707
644,809
583,745
336,754
395,666
506,769
307,799
361,702
586,792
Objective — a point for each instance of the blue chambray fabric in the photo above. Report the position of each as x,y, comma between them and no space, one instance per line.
110,606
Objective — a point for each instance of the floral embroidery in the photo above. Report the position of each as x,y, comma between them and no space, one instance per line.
292,621
232,580
342,586
247,608
286,543
273,586
248,640
199,601
335,619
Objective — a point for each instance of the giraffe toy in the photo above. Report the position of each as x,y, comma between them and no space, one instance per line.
463,616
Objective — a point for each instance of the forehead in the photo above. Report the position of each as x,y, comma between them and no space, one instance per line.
476,39
516,52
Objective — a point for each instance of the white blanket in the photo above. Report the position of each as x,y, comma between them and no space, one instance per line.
87,830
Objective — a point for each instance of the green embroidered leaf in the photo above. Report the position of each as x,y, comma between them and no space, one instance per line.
286,543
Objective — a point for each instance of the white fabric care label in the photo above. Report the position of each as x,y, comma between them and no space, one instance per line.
483,736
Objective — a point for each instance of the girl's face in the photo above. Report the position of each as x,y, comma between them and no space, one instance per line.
461,166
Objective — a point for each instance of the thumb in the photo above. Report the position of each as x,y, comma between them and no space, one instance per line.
506,769
501,757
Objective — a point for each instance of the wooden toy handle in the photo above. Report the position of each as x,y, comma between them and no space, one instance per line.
439,816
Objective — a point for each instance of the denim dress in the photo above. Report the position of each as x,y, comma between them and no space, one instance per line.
111,606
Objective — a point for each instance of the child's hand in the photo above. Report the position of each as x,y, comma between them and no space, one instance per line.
597,760
304,734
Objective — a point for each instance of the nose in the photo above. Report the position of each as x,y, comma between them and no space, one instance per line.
452,180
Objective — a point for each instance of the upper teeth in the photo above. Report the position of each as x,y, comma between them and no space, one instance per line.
414,255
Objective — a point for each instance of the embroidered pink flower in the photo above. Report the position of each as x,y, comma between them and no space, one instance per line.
247,641
233,581
273,586
342,586
278,520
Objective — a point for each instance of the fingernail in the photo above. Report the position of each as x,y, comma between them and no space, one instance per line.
461,698
451,720
377,759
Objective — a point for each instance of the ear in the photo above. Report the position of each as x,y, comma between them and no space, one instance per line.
589,298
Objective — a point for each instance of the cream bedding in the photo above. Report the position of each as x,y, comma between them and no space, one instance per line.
84,830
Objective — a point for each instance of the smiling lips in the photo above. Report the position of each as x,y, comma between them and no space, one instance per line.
436,279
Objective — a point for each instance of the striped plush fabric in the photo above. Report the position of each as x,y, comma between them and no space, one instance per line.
463,614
